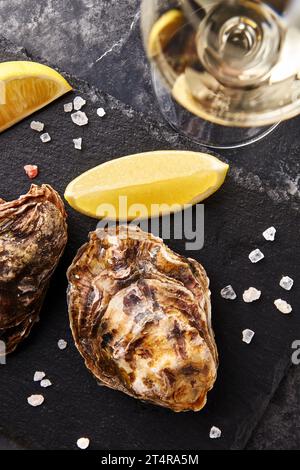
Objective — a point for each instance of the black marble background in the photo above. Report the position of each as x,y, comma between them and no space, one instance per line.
99,41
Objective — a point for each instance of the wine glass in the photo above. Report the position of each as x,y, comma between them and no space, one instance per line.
224,72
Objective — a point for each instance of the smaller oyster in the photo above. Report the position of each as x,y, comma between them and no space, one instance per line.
33,235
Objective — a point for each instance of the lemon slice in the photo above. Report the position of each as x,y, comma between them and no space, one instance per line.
163,31
146,184
26,87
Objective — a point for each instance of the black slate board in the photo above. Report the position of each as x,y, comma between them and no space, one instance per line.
235,217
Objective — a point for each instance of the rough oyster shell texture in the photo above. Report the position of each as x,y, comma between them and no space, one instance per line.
141,318
33,235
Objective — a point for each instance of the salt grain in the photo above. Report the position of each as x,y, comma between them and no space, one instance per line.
78,143
38,376
45,138
68,107
256,255
83,443
31,171
286,283
101,112
78,103
37,126
269,234
248,336
228,293
283,306
35,400
46,383
80,118
62,344
215,433
251,295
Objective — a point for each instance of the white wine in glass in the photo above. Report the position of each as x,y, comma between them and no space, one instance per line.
224,72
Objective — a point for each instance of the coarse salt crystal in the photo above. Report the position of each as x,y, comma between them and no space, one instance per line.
37,126
215,433
286,283
45,138
269,234
83,443
79,118
35,400
68,107
78,103
251,295
45,383
248,336
31,171
228,293
62,344
101,112
38,376
256,255
283,306
78,143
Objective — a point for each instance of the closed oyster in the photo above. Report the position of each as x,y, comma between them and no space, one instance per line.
33,235
141,318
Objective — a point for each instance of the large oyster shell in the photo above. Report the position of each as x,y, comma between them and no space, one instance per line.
33,235
141,318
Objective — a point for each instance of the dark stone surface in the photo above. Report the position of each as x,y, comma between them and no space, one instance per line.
74,34
248,374
98,41
280,429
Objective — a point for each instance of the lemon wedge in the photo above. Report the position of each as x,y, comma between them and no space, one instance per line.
146,184
163,31
26,87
